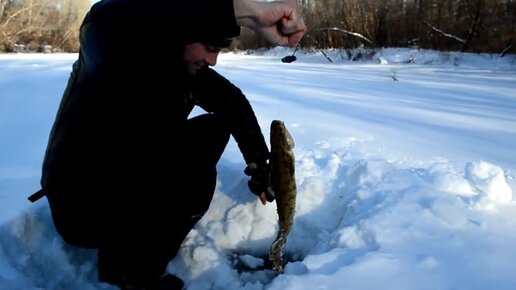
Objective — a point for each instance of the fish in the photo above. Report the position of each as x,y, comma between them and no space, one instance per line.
283,184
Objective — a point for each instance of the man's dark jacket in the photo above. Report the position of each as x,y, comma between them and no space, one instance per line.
122,116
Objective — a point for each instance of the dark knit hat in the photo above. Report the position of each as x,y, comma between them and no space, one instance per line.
220,42
211,36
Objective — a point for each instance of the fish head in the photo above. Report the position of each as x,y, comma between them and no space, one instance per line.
280,136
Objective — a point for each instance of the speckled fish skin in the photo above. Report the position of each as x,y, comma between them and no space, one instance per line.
283,183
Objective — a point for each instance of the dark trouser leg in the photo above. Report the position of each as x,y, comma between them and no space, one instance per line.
157,227
207,138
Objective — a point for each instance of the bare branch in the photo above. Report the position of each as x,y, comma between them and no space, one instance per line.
445,34
505,50
18,13
3,3
316,43
32,29
346,32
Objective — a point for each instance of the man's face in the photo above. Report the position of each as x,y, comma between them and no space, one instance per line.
198,55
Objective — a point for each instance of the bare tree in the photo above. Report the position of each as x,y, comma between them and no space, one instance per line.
467,25
33,23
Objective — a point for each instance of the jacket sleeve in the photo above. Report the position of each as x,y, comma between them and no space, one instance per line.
217,95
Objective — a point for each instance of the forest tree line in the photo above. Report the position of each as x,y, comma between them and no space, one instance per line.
448,25
36,25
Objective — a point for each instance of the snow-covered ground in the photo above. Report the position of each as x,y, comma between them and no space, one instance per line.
404,165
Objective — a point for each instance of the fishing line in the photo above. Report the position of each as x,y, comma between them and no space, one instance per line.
288,59
282,99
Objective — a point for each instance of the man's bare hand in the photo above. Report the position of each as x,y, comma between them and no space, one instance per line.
263,198
279,22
